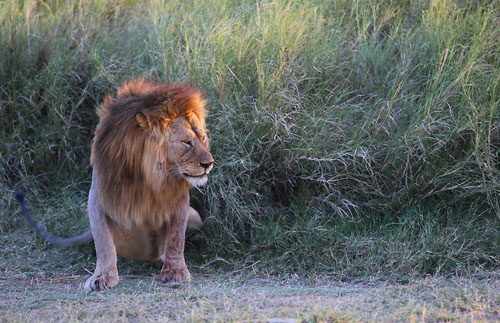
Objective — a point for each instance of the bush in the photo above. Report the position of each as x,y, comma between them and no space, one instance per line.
344,111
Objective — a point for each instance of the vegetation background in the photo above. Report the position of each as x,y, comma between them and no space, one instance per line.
353,139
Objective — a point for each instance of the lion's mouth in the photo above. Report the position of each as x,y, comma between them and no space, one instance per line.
194,176
196,180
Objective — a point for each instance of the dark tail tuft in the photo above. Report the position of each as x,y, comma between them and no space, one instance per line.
20,197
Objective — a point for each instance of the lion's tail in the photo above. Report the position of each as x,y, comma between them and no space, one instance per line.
57,241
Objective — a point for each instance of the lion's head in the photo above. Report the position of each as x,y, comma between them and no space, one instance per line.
176,144
150,146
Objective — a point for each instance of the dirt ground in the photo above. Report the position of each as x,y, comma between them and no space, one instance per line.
227,297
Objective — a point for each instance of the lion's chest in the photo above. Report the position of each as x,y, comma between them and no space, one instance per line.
141,243
145,207
140,227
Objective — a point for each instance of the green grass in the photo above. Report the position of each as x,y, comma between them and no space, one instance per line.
352,139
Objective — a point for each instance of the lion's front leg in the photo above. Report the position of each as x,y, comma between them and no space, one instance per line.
174,266
106,272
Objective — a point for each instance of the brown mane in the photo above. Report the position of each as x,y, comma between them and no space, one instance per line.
121,148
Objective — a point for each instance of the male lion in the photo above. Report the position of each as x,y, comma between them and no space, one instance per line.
150,147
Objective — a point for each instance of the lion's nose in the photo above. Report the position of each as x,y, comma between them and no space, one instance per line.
206,165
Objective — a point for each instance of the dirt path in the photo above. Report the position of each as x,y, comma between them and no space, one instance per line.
225,297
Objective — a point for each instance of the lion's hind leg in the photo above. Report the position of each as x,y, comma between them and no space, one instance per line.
194,220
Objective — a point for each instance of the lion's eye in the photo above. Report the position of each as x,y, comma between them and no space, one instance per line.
188,143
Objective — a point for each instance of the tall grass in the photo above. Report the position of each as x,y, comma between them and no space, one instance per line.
320,112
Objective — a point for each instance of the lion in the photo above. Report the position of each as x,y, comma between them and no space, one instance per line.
150,147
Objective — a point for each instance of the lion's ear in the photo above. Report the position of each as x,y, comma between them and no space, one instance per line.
142,120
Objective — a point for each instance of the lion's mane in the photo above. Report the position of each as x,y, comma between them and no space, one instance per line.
125,157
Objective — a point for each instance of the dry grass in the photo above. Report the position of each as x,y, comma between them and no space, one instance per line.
215,298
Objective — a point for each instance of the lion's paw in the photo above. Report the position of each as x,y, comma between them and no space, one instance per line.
100,282
178,275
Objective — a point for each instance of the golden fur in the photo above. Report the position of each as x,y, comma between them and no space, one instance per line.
133,190
150,147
